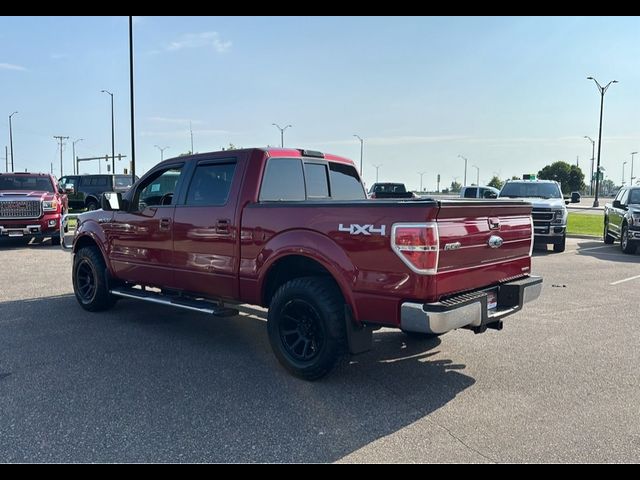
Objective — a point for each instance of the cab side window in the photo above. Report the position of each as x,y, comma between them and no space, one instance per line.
471,192
157,190
211,184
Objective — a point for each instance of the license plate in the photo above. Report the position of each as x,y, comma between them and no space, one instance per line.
492,299
15,233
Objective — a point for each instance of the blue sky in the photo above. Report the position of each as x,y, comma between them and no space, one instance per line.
510,94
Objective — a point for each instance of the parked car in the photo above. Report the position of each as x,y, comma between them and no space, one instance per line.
549,209
389,190
31,205
479,192
84,191
292,230
622,219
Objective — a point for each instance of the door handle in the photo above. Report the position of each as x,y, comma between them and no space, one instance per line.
165,223
222,226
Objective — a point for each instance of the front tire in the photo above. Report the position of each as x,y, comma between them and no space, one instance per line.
626,245
90,280
92,206
306,326
560,247
608,239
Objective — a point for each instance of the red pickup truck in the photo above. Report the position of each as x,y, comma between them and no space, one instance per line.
292,230
31,205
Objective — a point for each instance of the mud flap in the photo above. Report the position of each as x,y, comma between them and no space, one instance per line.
359,337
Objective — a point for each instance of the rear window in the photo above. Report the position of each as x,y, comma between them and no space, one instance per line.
124,181
531,190
283,180
470,192
316,180
389,188
345,183
25,183
211,184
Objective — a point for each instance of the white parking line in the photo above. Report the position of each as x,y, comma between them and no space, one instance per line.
625,280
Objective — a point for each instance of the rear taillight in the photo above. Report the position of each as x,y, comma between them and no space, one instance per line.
417,245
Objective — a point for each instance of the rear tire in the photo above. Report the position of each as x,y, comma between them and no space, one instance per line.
627,246
90,280
306,326
608,239
560,247
92,206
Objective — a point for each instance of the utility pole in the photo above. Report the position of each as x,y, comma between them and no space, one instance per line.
421,174
162,149
191,131
632,177
438,189
75,163
361,149
11,141
578,161
61,138
593,155
113,143
623,164
465,170
377,168
133,140
6,158
478,176
602,91
282,129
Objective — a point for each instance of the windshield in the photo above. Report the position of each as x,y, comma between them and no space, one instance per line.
123,181
389,188
25,183
530,190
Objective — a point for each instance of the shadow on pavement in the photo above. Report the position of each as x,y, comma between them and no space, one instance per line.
16,243
142,383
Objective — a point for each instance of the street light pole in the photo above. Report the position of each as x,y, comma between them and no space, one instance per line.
465,169
377,168
632,177
478,175
593,155
113,147
73,148
361,149
602,91
162,149
11,140
421,174
623,164
281,132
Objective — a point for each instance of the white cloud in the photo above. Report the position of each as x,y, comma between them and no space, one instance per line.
172,120
397,140
11,66
199,40
182,133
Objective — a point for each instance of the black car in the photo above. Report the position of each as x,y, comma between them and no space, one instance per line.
85,191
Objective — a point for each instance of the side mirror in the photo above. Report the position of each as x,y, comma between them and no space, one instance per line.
575,197
111,201
490,195
69,188
616,204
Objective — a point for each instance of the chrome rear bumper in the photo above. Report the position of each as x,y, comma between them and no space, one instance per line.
470,310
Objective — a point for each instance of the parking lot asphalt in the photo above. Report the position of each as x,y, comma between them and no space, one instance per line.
143,383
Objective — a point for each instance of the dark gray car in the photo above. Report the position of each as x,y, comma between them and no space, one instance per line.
622,219
85,191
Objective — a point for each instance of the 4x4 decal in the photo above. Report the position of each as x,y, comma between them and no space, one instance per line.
355,229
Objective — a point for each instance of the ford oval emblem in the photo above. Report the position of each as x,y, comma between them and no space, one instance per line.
495,241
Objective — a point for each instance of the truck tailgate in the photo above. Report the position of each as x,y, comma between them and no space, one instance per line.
476,238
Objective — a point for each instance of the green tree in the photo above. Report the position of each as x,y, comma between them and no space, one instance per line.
515,177
569,176
496,182
455,187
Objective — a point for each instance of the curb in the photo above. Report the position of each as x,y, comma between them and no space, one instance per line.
585,237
